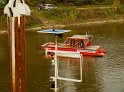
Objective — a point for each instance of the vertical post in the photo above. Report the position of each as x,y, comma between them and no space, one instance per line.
56,68
10,56
22,55
15,54
11,42
81,67
16,46
15,10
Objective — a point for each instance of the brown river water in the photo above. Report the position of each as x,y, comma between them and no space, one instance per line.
100,74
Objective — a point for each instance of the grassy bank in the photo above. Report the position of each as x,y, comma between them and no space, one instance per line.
68,15
72,15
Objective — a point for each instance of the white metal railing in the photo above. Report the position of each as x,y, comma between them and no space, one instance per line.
70,55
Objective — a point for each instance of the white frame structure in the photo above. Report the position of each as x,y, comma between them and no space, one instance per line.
70,55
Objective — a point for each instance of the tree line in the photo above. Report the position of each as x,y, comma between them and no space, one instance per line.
74,2
69,2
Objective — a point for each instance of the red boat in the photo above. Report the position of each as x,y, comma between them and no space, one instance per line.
76,43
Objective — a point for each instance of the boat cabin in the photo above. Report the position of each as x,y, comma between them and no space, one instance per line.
79,41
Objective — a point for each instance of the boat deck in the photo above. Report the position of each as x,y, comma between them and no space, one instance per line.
92,47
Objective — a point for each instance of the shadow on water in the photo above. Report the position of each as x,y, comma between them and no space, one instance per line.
99,74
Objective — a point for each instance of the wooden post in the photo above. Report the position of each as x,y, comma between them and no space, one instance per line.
22,56
16,10
17,65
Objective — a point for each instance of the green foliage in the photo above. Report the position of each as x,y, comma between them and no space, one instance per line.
115,5
68,15
33,20
64,15
2,4
120,10
3,22
34,3
72,15
91,2
92,13
70,2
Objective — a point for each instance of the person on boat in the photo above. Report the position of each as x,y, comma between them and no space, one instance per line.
80,44
89,40
73,43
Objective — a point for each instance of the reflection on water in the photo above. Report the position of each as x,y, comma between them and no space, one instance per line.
68,68
99,74
4,84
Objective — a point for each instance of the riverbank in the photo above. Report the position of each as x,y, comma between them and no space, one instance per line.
69,16
95,22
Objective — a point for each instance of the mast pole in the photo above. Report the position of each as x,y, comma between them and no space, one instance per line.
56,68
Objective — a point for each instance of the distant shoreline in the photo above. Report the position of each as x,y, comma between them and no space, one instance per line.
76,24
